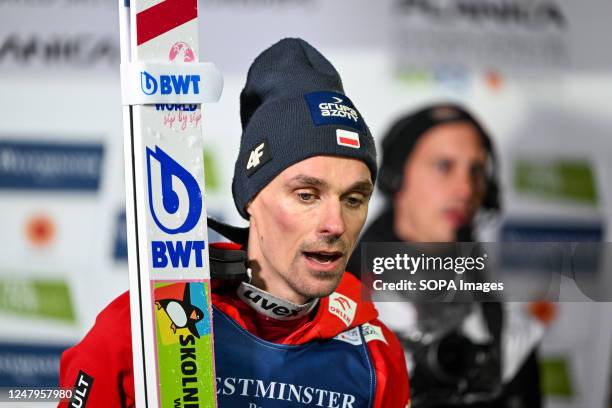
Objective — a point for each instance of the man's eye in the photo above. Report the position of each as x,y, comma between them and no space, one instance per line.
478,172
354,201
306,197
443,166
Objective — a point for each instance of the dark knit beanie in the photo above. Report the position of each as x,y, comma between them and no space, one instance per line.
400,140
293,107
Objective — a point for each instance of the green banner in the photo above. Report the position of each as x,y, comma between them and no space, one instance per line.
555,377
210,170
42,298
559,180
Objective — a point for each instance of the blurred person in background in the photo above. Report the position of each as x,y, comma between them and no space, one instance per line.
438,172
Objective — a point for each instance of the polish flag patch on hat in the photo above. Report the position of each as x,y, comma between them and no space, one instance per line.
347,138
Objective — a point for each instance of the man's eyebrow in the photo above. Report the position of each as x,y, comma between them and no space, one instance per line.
309,181
364,187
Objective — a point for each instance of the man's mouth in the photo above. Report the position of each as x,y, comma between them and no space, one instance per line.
457,217
323,257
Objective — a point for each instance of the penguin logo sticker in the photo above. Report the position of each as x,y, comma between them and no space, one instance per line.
181,309
181,312
175,198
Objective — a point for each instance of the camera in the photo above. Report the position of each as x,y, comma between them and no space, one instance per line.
448,368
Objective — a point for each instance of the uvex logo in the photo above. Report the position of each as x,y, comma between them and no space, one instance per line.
269,305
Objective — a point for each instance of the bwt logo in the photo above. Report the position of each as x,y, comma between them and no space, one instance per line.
177,190
169,84
175,202
178,254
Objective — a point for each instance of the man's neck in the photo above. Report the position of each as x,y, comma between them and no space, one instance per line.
272,306
262,275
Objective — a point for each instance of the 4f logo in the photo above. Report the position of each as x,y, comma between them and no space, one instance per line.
175,198
169,84
257,157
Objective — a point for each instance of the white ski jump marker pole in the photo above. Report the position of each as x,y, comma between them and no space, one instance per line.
163,86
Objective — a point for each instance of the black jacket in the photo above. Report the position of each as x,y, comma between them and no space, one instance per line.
524,390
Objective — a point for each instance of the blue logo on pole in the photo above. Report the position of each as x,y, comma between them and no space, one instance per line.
148,83
170,172
169,84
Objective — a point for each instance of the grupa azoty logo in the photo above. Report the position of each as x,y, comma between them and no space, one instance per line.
333,108
175,198
169,84
338,108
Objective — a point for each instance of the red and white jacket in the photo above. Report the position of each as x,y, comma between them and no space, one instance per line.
105,354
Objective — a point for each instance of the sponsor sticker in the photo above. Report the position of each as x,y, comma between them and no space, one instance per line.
372,332
350,336
184,344
175,204
82,388
162,172
168,84
258,156
343,307
272,306
331,108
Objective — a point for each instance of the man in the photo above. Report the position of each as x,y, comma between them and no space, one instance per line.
434,175
303,178
438,172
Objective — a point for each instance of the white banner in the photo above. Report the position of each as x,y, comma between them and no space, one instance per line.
502,35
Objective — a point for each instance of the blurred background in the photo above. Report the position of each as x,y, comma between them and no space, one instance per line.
537,73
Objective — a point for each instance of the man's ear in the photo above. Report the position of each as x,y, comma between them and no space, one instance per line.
247,208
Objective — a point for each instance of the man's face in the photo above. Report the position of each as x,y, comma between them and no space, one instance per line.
304,226
443,186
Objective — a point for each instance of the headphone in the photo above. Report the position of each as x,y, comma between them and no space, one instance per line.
401,138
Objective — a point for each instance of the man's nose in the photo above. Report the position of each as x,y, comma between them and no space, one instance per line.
331,219
464,185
